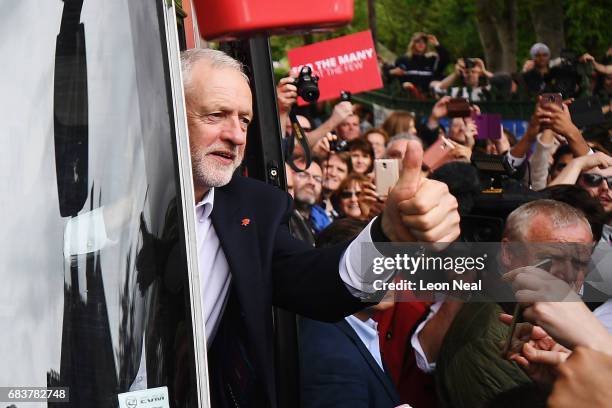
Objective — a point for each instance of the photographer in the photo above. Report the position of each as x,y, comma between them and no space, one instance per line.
536,71
424,61
473,76
603,76
286,95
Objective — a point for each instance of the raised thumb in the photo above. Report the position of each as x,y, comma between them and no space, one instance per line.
410,178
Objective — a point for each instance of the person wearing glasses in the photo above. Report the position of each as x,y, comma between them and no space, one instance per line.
356,198
592,172
307,218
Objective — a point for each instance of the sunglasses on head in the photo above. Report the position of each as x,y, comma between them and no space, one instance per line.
594,180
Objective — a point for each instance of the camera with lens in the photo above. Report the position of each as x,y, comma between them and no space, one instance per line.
338,145
469,63
564,74
307,85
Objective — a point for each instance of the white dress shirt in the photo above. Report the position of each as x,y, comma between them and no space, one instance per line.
215,276
419,354
368,333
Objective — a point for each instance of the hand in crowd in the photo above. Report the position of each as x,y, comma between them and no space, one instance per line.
587,58
341,111
369,203
417,208
322,147
478,62
590,161
470,131
461,152
571,172
286,94
550,303
433,40
397,71
535,351
409,86
583,381
557,118
528,65
459,67
440,109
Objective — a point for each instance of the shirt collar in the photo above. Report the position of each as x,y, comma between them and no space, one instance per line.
367,331
205,207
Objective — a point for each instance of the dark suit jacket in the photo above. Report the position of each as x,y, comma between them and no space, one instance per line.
270,267
337,370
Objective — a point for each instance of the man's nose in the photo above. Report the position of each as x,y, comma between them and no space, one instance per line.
234,131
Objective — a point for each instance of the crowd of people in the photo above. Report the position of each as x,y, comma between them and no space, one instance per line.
446,353
421,73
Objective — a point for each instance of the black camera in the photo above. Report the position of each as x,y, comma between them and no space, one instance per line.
469,63
307,86
564,77
338,145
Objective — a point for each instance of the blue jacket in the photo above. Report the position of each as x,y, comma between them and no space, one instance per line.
337,370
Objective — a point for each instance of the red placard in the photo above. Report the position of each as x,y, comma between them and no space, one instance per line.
343,64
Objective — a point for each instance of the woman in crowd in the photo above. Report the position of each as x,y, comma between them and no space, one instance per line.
378,138
400,122
336,168
424,61
362,156
356,198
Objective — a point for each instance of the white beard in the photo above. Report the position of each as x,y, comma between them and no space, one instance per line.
208,173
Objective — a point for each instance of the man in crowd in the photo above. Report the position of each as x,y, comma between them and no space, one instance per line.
536,71
308,218
349,128
248,260
469,367
341,363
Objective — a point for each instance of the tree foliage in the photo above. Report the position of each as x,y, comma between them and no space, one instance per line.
585,25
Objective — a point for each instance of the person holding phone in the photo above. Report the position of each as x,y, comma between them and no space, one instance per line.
469,367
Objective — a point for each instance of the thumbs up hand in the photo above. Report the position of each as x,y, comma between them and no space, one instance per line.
417,208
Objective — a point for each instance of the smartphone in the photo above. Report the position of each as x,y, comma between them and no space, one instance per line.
517,315
551,98
488,126
458,108
386,174
438,154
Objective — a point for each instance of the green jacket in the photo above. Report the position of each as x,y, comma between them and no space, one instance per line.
469,368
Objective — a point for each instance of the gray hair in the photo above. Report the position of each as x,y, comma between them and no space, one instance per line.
403,136
216,59
560,214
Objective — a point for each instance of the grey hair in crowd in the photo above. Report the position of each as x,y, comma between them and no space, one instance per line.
403,136
216,59
560,214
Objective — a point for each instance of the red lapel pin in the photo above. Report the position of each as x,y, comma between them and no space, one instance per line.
245,222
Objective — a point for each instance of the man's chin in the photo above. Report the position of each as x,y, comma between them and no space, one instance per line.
215,177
